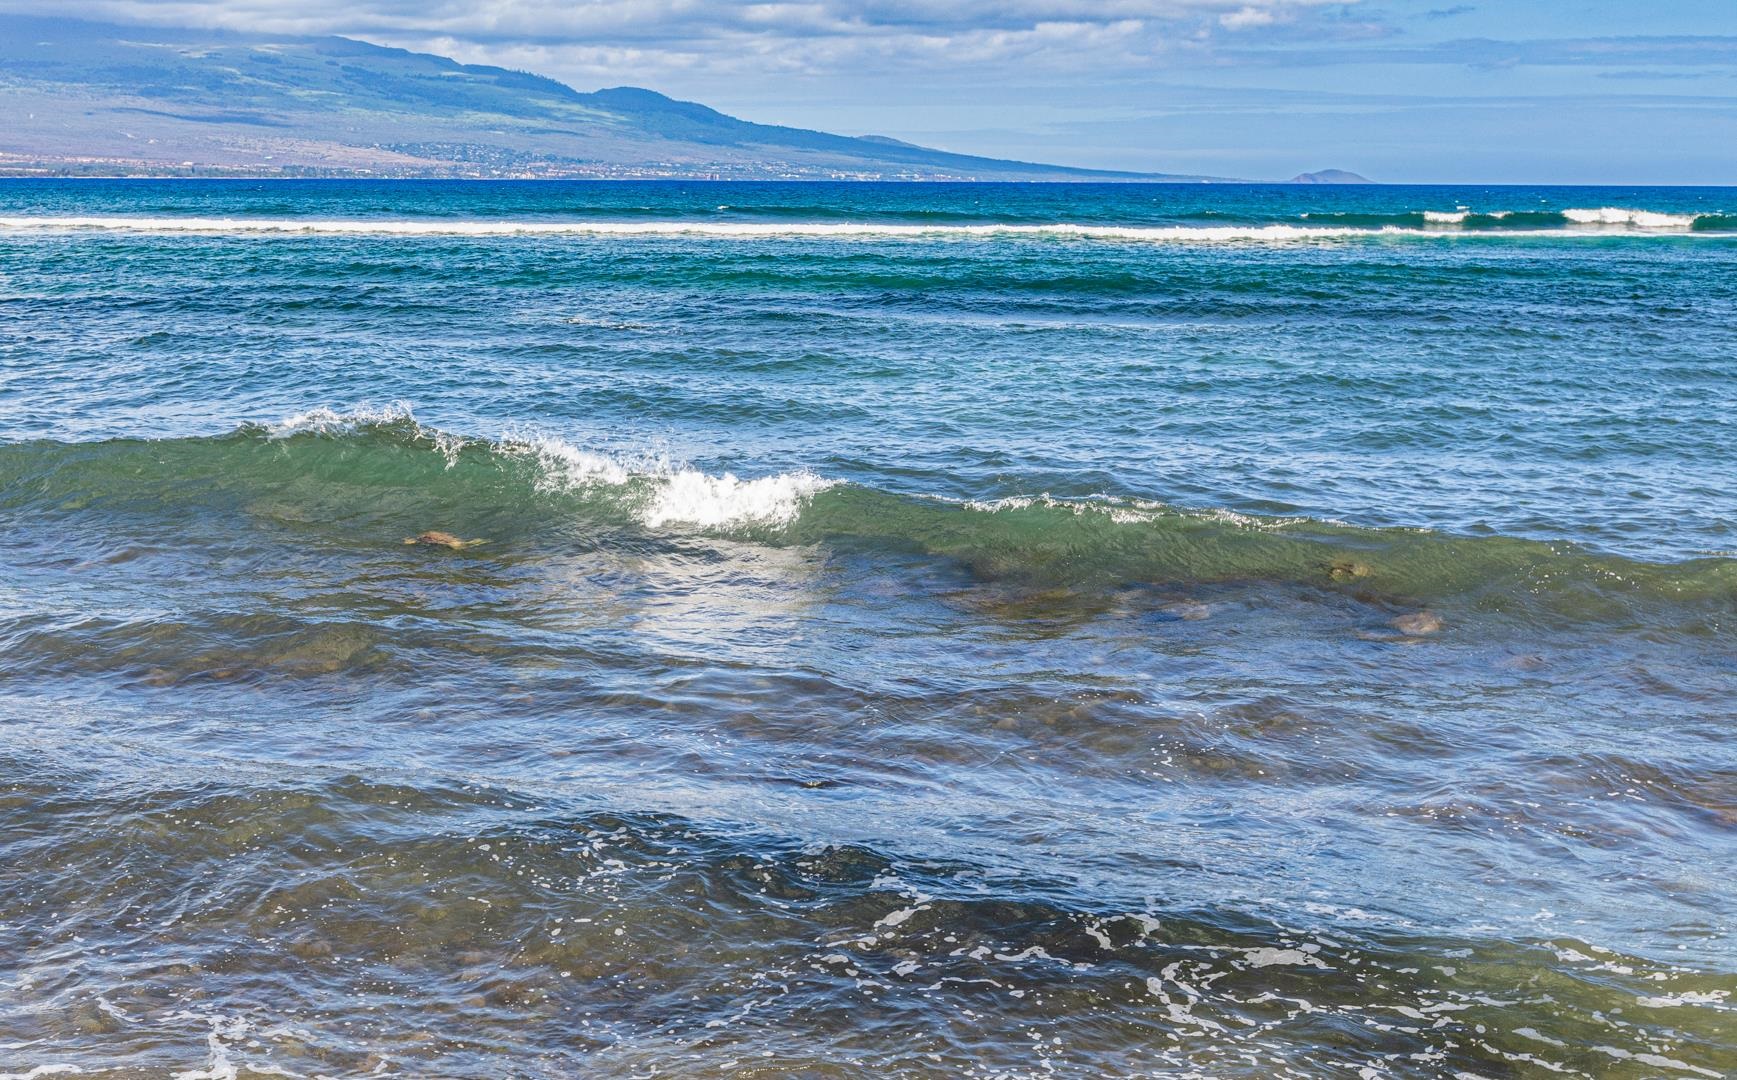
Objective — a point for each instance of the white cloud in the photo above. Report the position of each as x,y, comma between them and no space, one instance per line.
1245,17
726,35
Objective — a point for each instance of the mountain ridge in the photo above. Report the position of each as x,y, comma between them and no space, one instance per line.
114,99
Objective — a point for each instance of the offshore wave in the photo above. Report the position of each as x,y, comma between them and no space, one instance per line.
371,478
1602,221
1571,221
648,488
1643,219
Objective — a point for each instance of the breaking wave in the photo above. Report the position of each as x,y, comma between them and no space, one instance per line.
649,487
1319,227
674,496
368,479
1640,219
1568,222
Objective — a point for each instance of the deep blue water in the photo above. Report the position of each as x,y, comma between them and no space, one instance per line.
949,629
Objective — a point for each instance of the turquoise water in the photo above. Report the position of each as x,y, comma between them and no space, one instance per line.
991,630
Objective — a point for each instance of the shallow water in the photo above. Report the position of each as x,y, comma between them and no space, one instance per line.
1252,632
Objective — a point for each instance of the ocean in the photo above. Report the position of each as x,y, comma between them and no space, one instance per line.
916,630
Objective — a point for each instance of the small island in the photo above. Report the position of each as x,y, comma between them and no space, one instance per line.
1330,176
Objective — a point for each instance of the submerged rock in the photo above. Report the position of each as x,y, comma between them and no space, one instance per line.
1348,571
1527,662
1187,610
1418,623
436,538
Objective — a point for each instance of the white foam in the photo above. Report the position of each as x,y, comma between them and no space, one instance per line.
1268,957
900,916
669,495
1687,997
564,465
1655,1060
690,497
1122,512
1012,502
659,493
743,230
731,229
1126,511
1640,219
324,421
1444,217
219,1065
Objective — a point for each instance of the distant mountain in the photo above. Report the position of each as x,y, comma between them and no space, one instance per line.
1330,176
94,98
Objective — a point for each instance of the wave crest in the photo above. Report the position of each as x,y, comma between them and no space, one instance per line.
369,477
1426,223
1640,219
669,495
649,487
328,421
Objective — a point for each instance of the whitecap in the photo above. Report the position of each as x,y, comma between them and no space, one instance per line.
690,497
327,421
1640,219
563,465
665,495
772,230
649,486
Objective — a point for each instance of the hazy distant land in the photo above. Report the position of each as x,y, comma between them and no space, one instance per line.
88,98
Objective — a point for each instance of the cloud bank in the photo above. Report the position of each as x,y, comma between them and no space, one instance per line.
780,35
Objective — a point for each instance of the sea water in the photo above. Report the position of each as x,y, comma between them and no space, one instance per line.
986,630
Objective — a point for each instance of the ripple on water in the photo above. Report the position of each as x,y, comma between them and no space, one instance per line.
443,929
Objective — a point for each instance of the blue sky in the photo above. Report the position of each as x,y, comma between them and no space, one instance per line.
1594,91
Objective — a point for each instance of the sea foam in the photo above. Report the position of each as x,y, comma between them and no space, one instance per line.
745,230
653,489
666,495
1640,219
720,229
327,421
